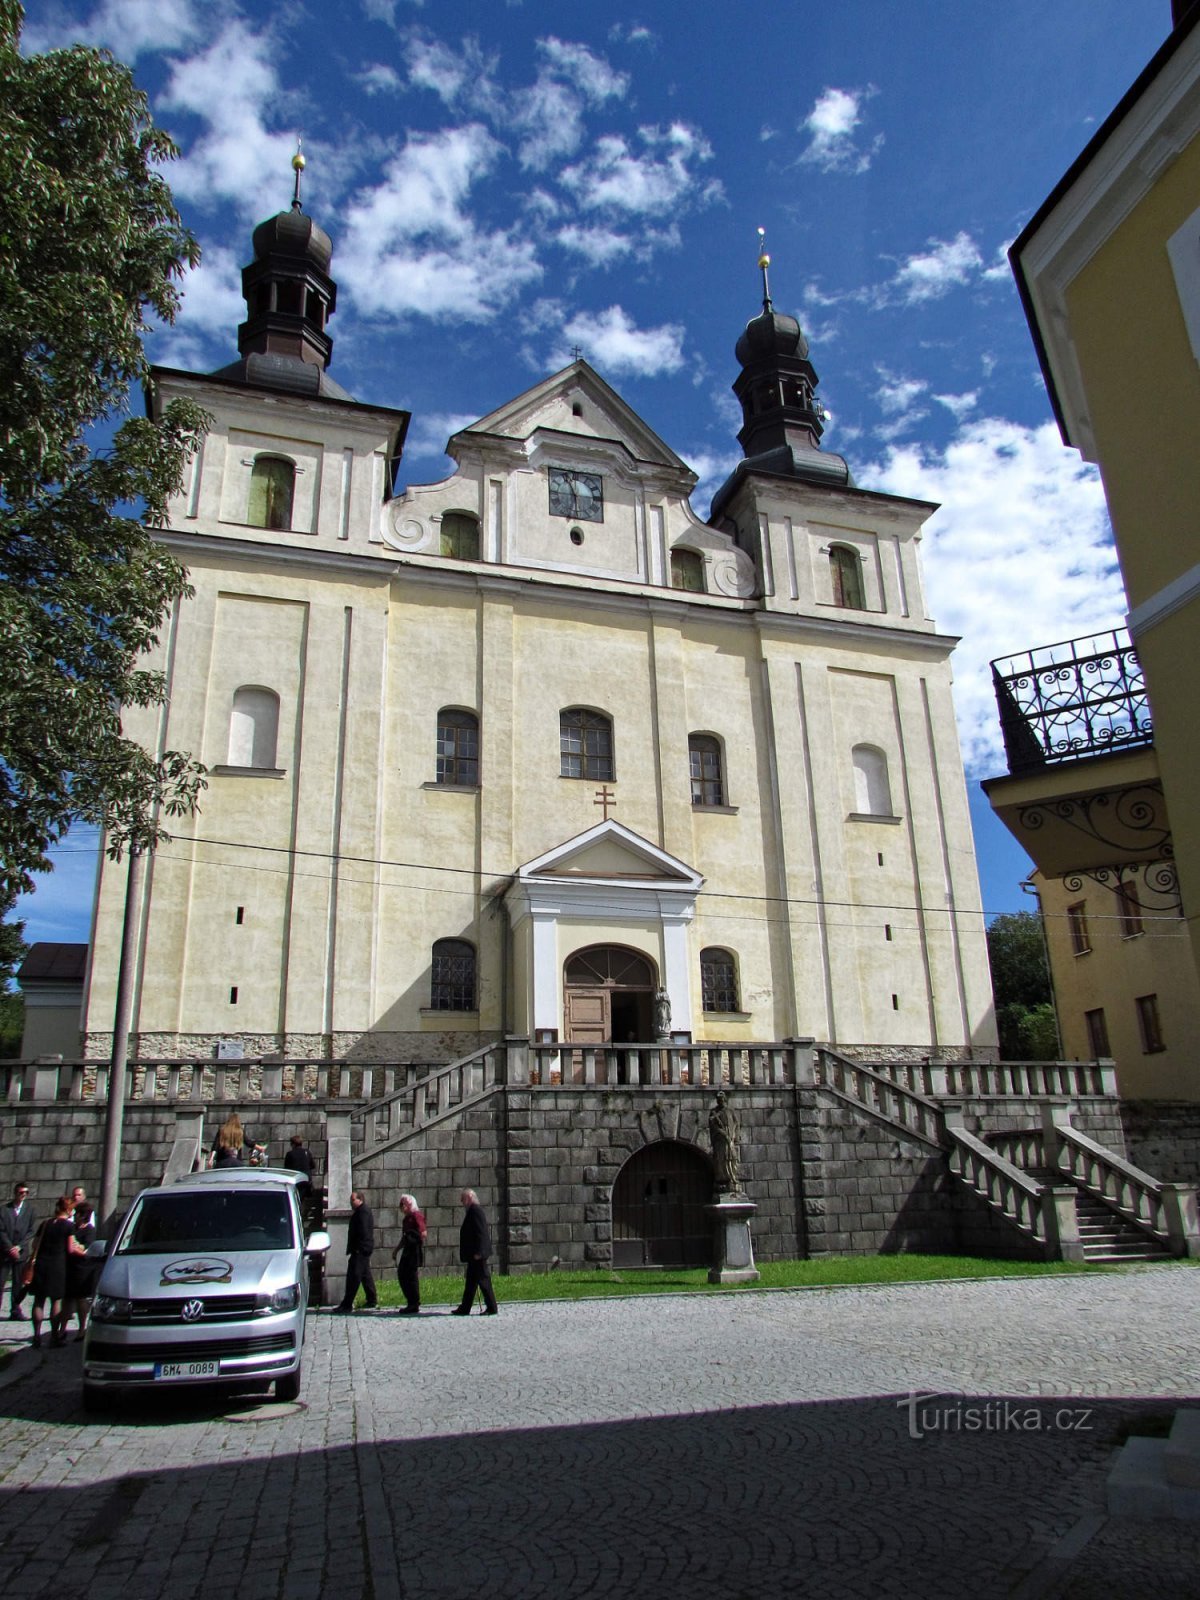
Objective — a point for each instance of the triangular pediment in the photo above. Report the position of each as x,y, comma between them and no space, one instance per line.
612,853
577,402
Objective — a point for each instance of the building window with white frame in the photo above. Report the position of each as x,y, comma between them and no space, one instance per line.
1081,944
718,981
586,745
458,748
704,759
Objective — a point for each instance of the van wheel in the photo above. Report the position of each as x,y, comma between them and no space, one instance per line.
288,1387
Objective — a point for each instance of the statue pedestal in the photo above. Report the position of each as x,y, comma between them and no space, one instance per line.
733,1252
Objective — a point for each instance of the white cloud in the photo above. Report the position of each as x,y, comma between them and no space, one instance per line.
208,320
612,343
632,33
452,75
600,247
550,114
614,178
897,395
428,434
379,78
237,159
1000,270
832,126
129,28
1019,555
958,405
411,247
947,264
712,467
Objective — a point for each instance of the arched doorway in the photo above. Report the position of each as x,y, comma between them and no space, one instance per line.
658,1206
608,996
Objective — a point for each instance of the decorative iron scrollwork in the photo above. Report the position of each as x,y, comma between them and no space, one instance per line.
1155,884
1131,822
1081,697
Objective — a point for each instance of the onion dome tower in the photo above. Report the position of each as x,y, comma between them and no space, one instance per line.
290,297
782,420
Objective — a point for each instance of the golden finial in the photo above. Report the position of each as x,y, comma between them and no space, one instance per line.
298,166
764,261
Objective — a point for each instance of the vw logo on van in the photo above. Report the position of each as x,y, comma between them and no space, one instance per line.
197,1269
193,1310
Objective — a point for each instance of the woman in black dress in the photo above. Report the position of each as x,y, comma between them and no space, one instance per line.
82,1274
56,1244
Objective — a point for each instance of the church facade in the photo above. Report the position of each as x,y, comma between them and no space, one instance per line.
534,751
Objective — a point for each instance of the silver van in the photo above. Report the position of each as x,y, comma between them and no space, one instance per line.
206,1282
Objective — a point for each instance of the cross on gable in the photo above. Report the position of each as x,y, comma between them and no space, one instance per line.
605,797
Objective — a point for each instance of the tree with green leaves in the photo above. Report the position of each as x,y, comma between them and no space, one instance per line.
91,248
12,1004
1025,1013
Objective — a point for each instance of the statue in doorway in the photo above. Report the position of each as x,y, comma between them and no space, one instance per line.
662,1014
723,1135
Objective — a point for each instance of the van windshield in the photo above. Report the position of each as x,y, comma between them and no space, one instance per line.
223,1221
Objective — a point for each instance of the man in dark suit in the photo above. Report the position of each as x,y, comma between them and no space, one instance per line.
16,1227
474,1247
360,1242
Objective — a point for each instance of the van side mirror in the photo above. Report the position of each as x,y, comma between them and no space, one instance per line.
317,1244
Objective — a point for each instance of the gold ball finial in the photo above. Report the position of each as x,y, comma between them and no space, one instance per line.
298,161
764,259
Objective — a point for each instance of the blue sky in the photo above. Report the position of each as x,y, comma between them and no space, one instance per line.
503,182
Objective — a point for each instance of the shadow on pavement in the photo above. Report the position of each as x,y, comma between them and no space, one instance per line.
939,1497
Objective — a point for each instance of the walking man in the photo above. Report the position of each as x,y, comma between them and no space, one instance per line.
474,1247
16,1226
360,1242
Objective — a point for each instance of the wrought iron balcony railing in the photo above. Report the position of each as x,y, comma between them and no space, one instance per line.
1079,698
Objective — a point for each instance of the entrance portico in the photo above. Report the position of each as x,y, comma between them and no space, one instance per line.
611,895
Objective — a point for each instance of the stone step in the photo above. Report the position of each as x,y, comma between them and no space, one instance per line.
1155,1478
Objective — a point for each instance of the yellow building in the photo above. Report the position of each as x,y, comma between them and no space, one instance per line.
1109,269
534,750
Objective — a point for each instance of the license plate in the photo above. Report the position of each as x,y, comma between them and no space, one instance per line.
187,1369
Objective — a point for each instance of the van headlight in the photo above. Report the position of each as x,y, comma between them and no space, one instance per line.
111,1308
286,1299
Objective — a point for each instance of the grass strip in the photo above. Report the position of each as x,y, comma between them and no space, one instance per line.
821,1272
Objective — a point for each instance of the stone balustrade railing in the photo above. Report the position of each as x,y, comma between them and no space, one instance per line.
189,1081
436,1094
1168,1210
877,1092
1024,1080
999,1182
1024,1148
682,1066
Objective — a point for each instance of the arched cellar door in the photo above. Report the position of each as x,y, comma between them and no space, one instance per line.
608,996
658,1206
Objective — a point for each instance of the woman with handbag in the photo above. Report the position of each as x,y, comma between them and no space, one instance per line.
410,1254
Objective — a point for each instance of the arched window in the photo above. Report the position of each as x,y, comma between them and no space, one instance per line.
453,980
586,745
845,569
687,571
872,791
460,535
718,981
458,748
704,755
272,488
253,727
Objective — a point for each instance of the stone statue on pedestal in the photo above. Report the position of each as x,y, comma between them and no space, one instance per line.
662,1014
723,1134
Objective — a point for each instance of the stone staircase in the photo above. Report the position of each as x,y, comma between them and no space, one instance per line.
1105,1234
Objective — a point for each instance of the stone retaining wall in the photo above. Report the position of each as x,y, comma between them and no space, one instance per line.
1163,1136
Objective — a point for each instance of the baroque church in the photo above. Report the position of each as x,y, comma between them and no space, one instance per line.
534,751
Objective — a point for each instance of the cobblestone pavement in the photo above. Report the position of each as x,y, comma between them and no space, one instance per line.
739,1447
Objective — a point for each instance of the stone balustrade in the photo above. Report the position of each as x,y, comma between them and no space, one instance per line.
1024,1080
1168,1210
680,1066
881,1093
998,1181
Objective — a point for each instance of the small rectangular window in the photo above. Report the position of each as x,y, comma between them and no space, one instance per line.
1097,1030
895,1002
233,996
240,915
1077,923
887,931
1148,1024
1130,910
